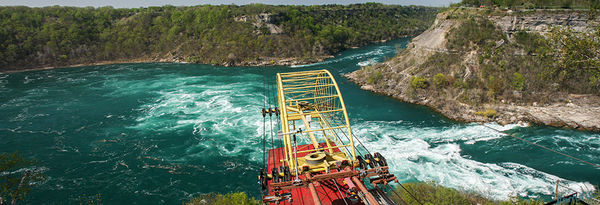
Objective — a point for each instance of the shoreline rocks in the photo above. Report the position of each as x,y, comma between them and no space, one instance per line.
582,113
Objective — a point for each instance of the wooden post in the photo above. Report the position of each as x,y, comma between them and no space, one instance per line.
556,191
313,191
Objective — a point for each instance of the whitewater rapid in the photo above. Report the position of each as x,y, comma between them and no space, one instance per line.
421,154
216,114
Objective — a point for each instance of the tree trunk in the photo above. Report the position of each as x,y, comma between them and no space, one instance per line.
14,198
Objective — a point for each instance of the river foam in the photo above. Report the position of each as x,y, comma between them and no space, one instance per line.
431,154
222,117
380,51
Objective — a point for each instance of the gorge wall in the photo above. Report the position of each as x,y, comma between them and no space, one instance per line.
480,65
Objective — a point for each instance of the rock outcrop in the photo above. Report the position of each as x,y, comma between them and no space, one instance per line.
542,22
260,20
394,76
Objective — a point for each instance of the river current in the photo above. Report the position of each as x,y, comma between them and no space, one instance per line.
160,133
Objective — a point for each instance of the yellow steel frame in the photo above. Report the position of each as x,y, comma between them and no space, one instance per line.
315,95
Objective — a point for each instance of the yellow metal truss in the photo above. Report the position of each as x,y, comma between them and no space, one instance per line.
311,101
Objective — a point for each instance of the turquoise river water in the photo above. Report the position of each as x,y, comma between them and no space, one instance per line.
160,133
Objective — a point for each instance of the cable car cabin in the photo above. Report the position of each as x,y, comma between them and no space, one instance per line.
318,162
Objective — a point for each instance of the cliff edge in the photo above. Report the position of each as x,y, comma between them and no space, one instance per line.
480,65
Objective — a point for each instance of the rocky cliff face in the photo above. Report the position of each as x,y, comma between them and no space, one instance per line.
260,20
542,21
465,93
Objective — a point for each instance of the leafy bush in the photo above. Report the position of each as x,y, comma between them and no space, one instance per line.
577,58
418,82
460,83
375,77
428,193
518,81
530,42
495,86
431,193
440,81
238,198
16,176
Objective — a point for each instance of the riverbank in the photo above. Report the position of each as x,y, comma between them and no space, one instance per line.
579,112
138,60
493,77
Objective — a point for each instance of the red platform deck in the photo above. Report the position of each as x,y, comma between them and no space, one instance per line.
327,191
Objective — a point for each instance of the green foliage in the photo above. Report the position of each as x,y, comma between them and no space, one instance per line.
17,177
440,81
530,42
460,83
375,77
238,198
577,58
428,193
489,113
495,86
474,31
54,36
431,193
433,62
418,82
518,81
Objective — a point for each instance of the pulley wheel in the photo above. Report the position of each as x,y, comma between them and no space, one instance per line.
315,158
382,162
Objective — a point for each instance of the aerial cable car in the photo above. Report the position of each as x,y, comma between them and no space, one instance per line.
318,162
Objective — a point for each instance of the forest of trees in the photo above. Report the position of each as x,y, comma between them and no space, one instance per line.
60,36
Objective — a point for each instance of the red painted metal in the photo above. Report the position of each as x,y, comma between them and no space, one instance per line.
326,190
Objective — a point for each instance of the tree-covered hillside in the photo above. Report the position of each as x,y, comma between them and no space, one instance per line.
226,34
504,65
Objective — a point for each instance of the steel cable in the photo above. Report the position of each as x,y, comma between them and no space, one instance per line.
338,188
398,195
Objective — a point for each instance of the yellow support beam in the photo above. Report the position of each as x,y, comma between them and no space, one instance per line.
316,94
317,112
310,86
320,97
303,79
